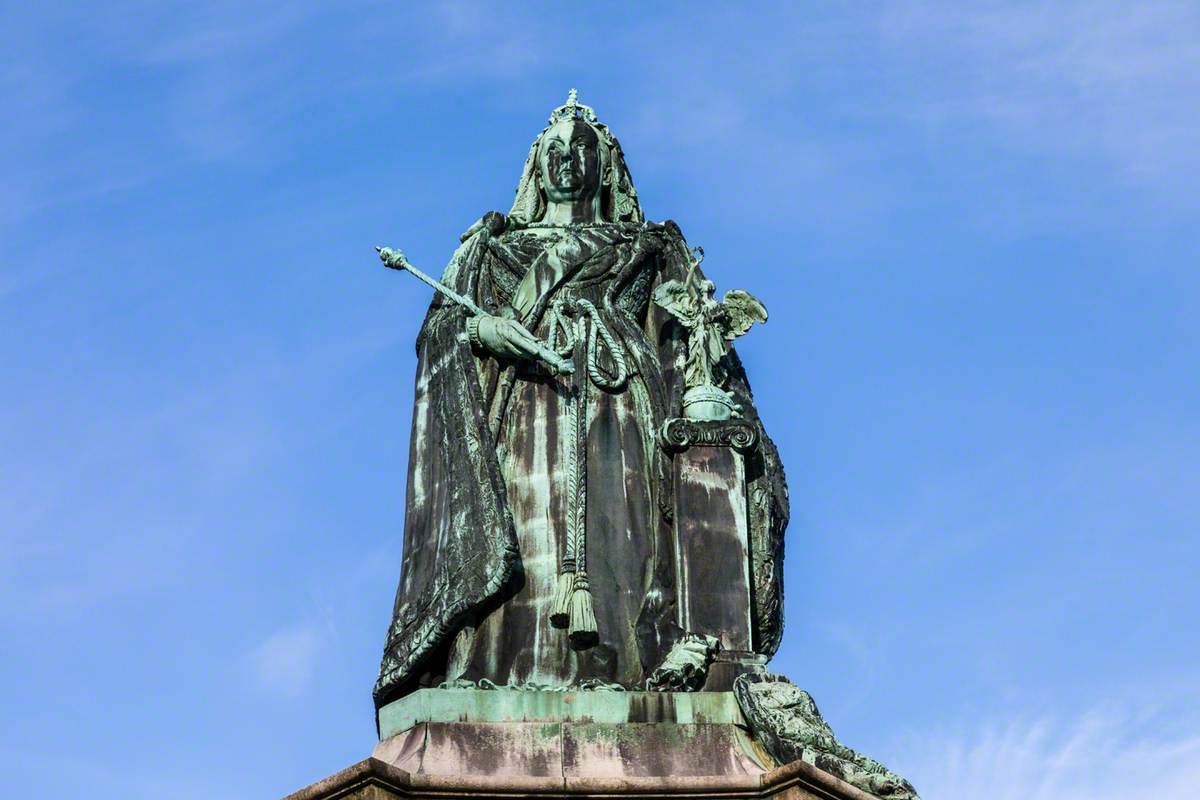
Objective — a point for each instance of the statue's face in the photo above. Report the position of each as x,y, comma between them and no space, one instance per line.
569,161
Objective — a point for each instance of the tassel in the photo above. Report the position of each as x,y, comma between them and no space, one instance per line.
560,606
583,619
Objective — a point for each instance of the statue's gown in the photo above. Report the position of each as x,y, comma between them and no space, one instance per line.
488,492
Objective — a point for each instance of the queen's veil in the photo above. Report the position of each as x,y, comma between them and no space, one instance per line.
619,201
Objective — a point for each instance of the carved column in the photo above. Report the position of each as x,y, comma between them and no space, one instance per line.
712,556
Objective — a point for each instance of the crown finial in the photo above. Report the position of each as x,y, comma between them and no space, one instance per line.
573,109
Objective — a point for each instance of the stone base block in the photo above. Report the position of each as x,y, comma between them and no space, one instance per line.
507,744
571,749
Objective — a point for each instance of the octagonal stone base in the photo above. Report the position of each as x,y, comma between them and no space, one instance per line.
508,744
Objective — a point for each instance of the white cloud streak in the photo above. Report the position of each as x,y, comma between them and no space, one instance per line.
1118,82
1095,84
1116,751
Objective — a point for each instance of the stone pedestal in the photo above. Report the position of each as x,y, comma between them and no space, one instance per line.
599,734
450,743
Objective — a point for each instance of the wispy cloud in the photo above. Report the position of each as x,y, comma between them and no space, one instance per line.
1115,82
1040,108
1109,86
215,84
1119,750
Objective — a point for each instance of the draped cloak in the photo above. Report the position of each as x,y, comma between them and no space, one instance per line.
482,532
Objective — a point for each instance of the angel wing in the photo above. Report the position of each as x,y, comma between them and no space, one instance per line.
742,310
679,302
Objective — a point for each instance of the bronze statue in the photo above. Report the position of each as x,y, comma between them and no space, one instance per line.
537,542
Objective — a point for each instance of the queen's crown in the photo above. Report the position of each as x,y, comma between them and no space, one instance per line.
573,109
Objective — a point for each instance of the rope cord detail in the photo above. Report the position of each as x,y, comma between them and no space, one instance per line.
570,332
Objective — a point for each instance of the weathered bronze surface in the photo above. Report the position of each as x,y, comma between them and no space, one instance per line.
710,325
712,544
787,723
539,543
680,434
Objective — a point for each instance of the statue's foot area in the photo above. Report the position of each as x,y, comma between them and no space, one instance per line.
685,669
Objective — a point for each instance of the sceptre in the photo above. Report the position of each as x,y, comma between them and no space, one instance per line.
396,260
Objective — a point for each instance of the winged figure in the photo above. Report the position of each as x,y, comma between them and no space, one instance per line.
711,324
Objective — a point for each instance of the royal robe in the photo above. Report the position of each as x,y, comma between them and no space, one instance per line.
487,500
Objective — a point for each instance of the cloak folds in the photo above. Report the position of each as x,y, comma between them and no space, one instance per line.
460,545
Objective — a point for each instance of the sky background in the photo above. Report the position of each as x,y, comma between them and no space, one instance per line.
975,226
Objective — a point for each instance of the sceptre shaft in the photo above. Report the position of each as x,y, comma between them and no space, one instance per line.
396,260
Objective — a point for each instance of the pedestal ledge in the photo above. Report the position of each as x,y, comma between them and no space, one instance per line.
373,779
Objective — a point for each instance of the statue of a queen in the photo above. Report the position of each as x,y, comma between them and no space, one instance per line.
537,538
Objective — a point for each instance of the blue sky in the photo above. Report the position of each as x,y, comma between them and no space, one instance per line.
975,226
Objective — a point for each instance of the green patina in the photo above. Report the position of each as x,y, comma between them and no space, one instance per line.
564,335
515,705
710,326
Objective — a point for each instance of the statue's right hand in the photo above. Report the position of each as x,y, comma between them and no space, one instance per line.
506,338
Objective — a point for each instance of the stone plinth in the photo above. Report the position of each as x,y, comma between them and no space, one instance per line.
510,743
567,734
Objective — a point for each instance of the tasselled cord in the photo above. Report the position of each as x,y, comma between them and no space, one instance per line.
572,605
